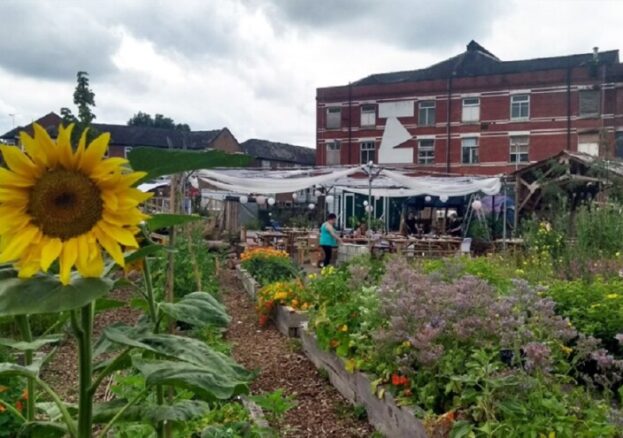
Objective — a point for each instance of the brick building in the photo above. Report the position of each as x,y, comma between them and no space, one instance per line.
475,114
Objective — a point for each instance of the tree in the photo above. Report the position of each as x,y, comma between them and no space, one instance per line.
158,121
84,99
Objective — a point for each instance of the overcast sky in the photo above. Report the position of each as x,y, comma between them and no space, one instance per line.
254,65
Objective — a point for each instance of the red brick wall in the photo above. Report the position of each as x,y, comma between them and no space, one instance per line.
547,125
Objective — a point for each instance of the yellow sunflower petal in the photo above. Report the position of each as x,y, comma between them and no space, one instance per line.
110,245
121,235
106,167
29,266
63,145
19,162
33,149
46,145
12,219
18,243
110,200
13,196
8,178
69,254
50,252
95,152
94,266
80,149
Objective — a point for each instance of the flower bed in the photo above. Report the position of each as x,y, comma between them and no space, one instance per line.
466,357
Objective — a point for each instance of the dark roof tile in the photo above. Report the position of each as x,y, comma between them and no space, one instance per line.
269,150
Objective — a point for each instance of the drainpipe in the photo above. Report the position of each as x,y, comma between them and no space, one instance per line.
448,128
350,123
569,108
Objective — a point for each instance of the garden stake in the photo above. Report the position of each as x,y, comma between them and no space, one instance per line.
24,326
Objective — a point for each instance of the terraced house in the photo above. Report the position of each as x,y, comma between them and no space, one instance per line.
475,114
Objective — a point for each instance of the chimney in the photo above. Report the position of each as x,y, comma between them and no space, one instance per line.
595,54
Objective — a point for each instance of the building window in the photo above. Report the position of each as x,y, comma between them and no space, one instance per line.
334,118
519,149
471,109
588,144
618,145
589,103
427,113
520,106
469,150
368,152
426,151
368,115
265,164
126,151
333,153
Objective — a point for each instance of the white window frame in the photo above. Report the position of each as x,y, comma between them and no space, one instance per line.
520,101
333,121
519,149
426,154
473,153
428,108
367,151
470,110
126,151
335,147
368,115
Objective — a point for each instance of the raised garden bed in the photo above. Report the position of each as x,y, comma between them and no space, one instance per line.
248,282
384,414
289,320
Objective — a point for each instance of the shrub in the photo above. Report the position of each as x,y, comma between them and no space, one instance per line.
268,265
285,293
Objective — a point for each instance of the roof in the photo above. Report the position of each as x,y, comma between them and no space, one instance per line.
588,160
478,61
50,122
275,151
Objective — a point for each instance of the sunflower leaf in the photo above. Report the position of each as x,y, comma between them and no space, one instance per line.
184,410
42,429
46,294
158,221
143,252
34,345
158,162
199,309
206,382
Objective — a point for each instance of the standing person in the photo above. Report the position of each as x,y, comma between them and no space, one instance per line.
328,238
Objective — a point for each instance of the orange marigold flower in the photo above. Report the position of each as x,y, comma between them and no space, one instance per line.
25,394
19,406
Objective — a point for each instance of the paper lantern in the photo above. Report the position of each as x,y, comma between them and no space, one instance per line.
365,203
428,198
443,198
317,193
311,206
243,199
477,205
329,199
260,199
369,208
294,196
271,201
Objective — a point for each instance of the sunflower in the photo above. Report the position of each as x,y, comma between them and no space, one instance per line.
65,204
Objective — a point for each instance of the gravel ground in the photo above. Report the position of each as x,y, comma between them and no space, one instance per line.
320,411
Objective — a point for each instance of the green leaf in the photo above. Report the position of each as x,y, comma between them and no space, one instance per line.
199,309
45,294
42,429
34,345
182,348
158,221
103,304
184,410
158,162
12,369
143,252
208,383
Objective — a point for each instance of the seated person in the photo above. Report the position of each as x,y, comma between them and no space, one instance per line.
454,227
361,230
411,224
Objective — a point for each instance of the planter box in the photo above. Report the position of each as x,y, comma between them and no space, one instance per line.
347,251
248,282
289,320
384,414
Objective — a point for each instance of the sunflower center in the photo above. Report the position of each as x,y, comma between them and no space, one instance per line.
65,204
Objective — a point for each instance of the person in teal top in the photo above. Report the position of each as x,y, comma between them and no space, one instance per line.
328,238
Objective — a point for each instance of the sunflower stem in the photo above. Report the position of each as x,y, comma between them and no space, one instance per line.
85,353
24,326
149,288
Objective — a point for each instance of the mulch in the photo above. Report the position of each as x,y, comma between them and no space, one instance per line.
61,372
280,363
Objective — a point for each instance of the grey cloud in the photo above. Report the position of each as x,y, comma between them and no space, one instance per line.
45,40
412,24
